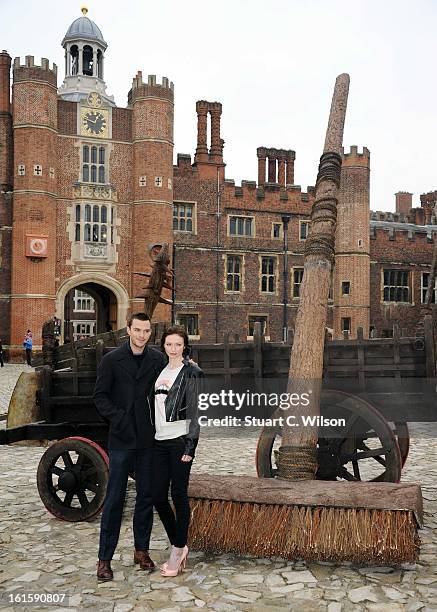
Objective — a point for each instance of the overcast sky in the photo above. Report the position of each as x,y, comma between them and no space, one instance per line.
272,64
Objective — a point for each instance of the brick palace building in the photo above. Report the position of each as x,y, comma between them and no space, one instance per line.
86,186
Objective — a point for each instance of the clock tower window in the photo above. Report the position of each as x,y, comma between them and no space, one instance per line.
94,164
74,55
87,60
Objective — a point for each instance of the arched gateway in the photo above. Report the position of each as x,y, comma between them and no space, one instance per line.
110,297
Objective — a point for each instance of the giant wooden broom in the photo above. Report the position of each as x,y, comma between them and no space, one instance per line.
294,515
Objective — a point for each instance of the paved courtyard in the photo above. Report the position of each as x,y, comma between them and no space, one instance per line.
39,554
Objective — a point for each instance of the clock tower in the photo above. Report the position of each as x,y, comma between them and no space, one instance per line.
84,62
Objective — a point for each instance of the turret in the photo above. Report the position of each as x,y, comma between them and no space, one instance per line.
351,280
5,123
6,158
152,135
35,179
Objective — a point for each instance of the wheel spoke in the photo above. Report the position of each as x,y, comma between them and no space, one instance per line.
80,461
89,471
68,499
57,470
356,470
90,486
67,459
343,473
377,457
82,498
365,454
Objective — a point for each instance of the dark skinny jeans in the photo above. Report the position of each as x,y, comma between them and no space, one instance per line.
169,471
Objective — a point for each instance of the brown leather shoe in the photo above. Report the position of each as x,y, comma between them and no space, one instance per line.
104,571
142,557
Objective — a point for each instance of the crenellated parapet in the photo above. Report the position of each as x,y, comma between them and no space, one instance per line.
268,195
150,89
400,226
354,158
28,71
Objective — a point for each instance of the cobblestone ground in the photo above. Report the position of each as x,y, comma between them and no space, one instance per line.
39,554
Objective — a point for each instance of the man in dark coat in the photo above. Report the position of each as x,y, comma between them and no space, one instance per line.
123,396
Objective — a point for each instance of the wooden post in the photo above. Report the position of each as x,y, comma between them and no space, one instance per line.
429,346
46,388
100,345
297,458
226,359
257,351
48,341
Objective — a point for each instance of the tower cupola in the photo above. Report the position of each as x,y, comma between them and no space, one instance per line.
84,61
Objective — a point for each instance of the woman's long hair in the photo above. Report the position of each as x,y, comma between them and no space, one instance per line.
180,331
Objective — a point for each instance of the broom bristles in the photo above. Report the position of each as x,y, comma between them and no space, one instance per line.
313,533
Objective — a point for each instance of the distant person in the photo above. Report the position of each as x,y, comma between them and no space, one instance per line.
1,353
27,344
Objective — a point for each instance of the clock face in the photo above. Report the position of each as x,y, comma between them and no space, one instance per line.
94,122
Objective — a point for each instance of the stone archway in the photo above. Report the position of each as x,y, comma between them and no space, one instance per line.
111,298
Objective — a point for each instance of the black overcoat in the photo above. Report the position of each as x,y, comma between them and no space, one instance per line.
122,396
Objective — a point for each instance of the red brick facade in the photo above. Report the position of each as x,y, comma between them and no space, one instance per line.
227,241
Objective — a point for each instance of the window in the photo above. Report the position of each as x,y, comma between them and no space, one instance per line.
396,286
387,333
304,227
83,302
87,61
233,273
94,164
346,325
92,223
240,226
37,170
424,287
263,319
277,230
268,274
183,216
21,169
190,322
297,279
345,288
83,329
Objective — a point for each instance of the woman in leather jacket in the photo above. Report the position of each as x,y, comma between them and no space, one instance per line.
177,432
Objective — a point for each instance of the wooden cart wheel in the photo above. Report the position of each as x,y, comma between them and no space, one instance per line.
370,454
402,434
72,477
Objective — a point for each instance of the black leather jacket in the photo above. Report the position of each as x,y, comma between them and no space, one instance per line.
181,403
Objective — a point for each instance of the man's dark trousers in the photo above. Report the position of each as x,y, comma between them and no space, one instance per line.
121,462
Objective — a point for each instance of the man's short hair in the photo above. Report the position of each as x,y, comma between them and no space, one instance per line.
140,316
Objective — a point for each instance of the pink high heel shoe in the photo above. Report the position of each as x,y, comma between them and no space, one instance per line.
182,564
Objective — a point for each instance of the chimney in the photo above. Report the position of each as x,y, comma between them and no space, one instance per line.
216,150
202,126
291,156
404,202
271,153
262,154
